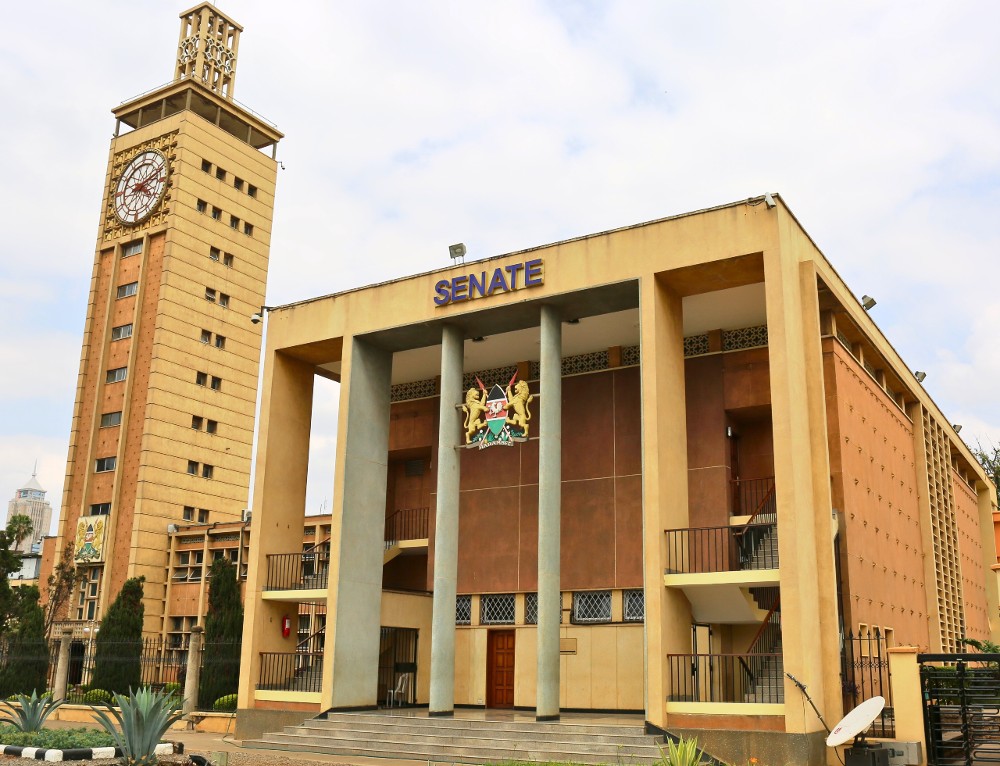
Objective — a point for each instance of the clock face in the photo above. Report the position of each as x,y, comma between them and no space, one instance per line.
140,187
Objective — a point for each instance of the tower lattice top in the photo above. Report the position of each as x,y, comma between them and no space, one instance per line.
207,48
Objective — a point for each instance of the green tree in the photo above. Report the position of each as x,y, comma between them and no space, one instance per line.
989,459
10,562
19,529
118,646
223,634
63,581
26,661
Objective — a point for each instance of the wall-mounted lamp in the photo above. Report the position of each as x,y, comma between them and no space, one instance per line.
867,302
769,201
258,317
920,376
957,427
478,339
572,321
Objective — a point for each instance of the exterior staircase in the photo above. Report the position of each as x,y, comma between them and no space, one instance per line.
463,740
769,683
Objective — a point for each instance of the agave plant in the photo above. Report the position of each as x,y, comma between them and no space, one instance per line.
684,752
31,712
142,717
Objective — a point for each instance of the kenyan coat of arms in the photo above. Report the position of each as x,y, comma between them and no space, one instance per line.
497,416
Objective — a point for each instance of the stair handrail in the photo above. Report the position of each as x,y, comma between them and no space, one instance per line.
775,608
317,545
307,639
760,507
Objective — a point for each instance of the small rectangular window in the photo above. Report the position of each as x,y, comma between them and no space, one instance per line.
210,295
127,291
188,513
248,229
463,610
100,509
196,422
212,426
227,260
206,166
220,341
234,222
206,471
105,464
201,206
252,190
633,605
238,183
121,332
592,606
201,378
224,300
132,248
216,383
202,516
193,467
206,336
220,174
116,375
214,253
216,213
111,419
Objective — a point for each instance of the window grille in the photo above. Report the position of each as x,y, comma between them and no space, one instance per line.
695,345
633,605
745,337
497,609
531,608
592,362
463,610
417,389
499,375
843,339
592,606
630,356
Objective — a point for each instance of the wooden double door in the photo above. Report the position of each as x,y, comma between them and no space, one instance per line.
500,668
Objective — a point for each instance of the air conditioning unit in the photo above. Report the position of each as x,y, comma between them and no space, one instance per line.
171,529
247,514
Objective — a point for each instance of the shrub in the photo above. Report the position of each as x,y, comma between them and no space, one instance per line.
31,712
223,634
683,752
118,647
172,688
225,704
97,696
143,716
61,739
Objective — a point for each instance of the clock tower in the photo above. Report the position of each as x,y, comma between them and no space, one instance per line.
164,415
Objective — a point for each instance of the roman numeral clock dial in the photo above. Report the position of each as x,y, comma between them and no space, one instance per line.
141,187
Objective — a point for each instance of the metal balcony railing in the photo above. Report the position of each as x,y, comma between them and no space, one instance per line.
752,496
298,571
291,671
722,549
407,524
751,678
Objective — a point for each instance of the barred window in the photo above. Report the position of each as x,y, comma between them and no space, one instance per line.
497,609
531,608
633,605
463,610
592,606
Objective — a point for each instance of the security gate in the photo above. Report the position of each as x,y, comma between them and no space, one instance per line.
961,708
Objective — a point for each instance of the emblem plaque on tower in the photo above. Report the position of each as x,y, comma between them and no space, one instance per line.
496,416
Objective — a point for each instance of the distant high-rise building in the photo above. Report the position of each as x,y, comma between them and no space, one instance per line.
30,501
163,421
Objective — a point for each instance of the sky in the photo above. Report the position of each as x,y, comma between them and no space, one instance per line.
410,126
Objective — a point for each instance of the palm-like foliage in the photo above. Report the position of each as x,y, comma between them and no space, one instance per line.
31,712
685,752
142,718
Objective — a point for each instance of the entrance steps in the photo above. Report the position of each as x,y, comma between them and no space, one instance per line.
463,740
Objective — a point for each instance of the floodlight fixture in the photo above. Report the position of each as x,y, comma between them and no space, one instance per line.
920,376
457,250
867,302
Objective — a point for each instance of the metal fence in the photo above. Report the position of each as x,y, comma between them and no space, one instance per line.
753,678
298,571
864,673
722,549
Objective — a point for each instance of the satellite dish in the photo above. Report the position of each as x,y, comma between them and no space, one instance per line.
856,721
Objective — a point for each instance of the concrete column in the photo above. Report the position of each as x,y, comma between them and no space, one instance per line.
664,482
62,668
193,674
442,691
907,698
356,538
549,505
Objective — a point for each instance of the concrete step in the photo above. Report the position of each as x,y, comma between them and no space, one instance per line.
464,740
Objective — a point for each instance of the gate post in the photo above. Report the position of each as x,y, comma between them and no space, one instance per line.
62,666
193,675
907,698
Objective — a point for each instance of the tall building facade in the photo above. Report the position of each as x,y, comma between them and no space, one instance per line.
30,501
716,467
163,420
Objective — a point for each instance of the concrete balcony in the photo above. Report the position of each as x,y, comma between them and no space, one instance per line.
719,568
